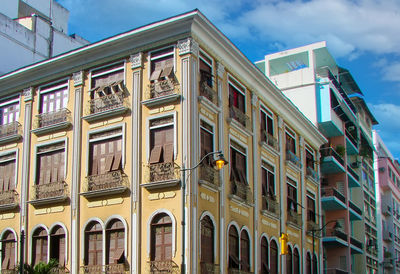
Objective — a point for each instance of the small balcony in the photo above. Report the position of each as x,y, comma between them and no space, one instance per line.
387,235
333,237
209,268
209,176
332,199
387,263
161,92
331,162
105,269
162,175
240,118
10,132
311,173
158,267
241,192
54,192
293,158
351,144
269,139
386,210
207,91
270,205
355,211
52,121
111,105
335,271
294,218
356,246
114,182
8,200
354,178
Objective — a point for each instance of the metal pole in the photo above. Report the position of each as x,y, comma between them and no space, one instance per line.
312,255
21,253
183,219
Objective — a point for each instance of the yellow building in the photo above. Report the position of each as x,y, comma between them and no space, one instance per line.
101,153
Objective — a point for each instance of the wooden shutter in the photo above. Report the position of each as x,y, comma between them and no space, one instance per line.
168,66
310,209
156,72
270,125
273,259
264,256
155,154
115,244
94,159
61,258
264,175
233,248
296,262
94,246
207,240
308,263
271,183
263,128
315,264
161,235
245,251
40,246
168,153
289,262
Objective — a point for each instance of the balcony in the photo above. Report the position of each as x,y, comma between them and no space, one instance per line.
241,192
114,182
354,178
332,199
111,105
270,140
355,211
351,144
356,246
270,205
333,237
10,132
294,218
52,121
239,118
207,91
8,200
387,263
311,173
293,158
158,267
331,162
209,176
105,269
162,175
208,268
386,210
387,235
161,92
54,192
335,271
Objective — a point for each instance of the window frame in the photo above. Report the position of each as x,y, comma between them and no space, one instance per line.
244,147
31,249
268,114
52,87
239,88
292,183
93,74
11,100
277,261
292,135
310,151
151,58
65,240
213,134
3,234
214,247
264,166
312,196
16,159
211,65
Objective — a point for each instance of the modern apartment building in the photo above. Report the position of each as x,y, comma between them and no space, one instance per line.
107,155
330,98
387,172
33,30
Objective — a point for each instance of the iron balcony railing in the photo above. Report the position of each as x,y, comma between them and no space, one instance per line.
294,218
310,172
110,180
207,91
162,88
329,151
105,269
353,173
52,118
270,204
161,267
50,190
240,117
351,138
334,232
387,235
331,191
356,242
209,268
10,129
107,103
293,158
209,174
242,191
269,139
160,172
8,197
355,207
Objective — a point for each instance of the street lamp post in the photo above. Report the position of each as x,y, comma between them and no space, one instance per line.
219,163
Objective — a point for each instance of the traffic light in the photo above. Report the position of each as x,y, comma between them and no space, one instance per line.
284,241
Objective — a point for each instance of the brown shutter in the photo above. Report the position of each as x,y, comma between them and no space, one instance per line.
207,240
271,183
109,162
245,251
12,254
296,261
61,166
168,66
155,154
54,166
273,260
47,171
233,248
270,125
117,161
95,168
155,75
168,153
264,255
263,126
289,264
264,182
61,252
42,168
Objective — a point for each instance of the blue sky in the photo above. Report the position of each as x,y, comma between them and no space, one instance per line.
362,35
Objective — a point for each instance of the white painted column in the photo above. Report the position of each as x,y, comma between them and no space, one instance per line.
256,181
303,183
282,181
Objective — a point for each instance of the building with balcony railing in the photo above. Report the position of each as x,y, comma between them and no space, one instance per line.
100,159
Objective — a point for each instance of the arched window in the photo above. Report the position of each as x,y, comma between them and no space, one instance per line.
296,261
39,246
233,262
57,245
207,240
315,264
289,262
161,238
244,251
8,251
273,258
308,263
93,244
264,256
115,243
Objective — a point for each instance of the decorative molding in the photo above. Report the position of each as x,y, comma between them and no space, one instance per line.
254,100
301,141
220,70
238,211
78,78
49,210
280,122
188,45
7,216
162,195
136,60
108,202
28,94
206,197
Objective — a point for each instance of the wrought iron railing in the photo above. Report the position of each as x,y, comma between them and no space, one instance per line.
104,269
356,242
209,268
294,218
10,271
161,267
208,92
270,204
242,191
311,225
50,190
52,118
269,139
293,158
162,88
334,232
353,173
240,116
8,197
351,138
162,172
331,191
310,172
387,235
107,102
112,179
355,207
238,271
10,129
329,151
209,174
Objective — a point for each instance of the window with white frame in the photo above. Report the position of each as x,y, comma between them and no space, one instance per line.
237,102
161,140
291,195
290,141
53,97
9,111
268,179
266,125
310,162
206,69
162,64
206,141
7,172
238,164
8,249
311,209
